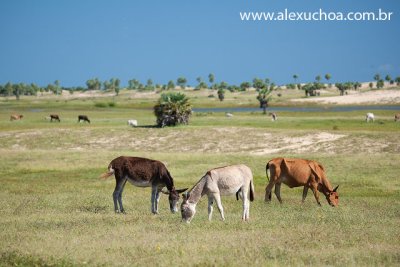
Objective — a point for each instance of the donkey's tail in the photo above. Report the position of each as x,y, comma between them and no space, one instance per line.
266,170
251,190
107,174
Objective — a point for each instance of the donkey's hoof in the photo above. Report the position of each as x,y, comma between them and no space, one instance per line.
120,212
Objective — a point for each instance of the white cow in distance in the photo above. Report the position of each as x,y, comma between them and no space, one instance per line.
369,117
132,123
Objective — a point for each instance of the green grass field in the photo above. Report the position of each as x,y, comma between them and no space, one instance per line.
56,212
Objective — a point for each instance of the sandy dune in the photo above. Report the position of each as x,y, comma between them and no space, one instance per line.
369,97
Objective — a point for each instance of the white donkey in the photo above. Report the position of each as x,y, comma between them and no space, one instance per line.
216,182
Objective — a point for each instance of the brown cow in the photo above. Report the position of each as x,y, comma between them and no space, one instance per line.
142,172
54,117
300,172
83,118
397,117
15,117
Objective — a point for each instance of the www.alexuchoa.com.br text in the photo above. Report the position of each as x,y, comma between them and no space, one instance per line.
320,15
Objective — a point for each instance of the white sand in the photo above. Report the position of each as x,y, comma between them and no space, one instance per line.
369,97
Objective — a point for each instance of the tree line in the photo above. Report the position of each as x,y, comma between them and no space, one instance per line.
263,86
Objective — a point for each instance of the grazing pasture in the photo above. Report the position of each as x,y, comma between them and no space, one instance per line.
56,211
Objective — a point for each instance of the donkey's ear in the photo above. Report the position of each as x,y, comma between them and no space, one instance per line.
181,190
334,190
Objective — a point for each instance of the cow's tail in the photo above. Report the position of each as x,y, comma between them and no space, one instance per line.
266,170
107,174
251,190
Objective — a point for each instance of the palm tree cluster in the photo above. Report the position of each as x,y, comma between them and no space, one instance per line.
172,109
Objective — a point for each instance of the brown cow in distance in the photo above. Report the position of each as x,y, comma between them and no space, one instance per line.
300,172
397,117
15,117
83,118
54,117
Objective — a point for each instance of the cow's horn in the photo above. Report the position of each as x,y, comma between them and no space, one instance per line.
334,190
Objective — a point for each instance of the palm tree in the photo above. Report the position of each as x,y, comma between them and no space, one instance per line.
295,77
245,85
328,77
171,85
58,90
172,109
371,85
397,80
221,94
258,84
263,97
380,84
181,81
211,79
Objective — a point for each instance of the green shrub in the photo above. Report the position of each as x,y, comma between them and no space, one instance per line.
100,105
172,109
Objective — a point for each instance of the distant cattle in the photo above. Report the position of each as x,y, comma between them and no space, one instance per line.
15,117
54,117
273,116
397,117
300,172
132,123
369,117
83,118
229,115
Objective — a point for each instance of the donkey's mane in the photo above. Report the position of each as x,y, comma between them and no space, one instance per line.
196,191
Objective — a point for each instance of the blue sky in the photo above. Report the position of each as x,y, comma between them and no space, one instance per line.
73,41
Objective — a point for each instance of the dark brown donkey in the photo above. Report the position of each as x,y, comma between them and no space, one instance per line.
142,172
